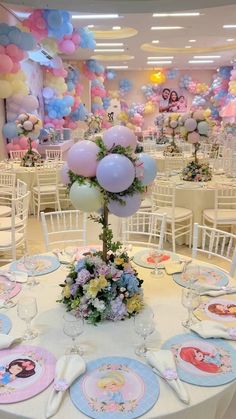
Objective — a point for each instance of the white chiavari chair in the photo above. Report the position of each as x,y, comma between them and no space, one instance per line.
224,211
7,190
46,193
53,154
174,163
17,154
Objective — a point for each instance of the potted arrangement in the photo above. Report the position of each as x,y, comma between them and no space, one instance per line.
29,126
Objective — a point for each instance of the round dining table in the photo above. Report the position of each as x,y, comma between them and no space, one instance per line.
163,295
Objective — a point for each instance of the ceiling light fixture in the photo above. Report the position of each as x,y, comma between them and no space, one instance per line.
165,28
109,44
116,28
229,26
206,56
188,46
230,39
180,14
160,62
99,16
156,41
192,40
200,61
109,50
90,26
160,58
117,67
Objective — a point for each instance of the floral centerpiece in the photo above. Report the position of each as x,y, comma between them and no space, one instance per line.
106,176
195,128
94,123
172,127
29,126
161,138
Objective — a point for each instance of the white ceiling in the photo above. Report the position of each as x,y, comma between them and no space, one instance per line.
207,29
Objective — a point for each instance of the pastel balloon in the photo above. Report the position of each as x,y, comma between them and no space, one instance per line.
64,174
203,128
5,89
193,137
9,130
9,146
132,204
199,115
115,173
67,46
190,124
149,167
173,124
82,158
30,103
23,143
6,63
86,197
119,135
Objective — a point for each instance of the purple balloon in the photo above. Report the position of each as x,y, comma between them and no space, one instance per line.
115,173
82,158
119,135
132,204
64,174
190,124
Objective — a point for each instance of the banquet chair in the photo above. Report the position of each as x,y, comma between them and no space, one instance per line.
224,211
174,162
53,154
63,228
144,229
187,148
17,154
178,219
215,242
205,149
21,188
7,188
46,190
15,236
230,165
149,147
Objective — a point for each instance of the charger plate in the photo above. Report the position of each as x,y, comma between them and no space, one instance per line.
46,264
146,258
203,362
39,371
5,324
221,309
115,388
14,291
208,276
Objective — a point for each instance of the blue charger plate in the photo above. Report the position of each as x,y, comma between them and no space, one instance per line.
46,264
208,276
5,324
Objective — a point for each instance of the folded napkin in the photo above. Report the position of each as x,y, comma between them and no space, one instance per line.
211,329
67,255
215,291
17,276
6,341
173,267
68,368
163,364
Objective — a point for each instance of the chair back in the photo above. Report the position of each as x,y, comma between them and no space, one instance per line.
20,209
17,154
149,147
64,228
144,228
206,149
215,242
174,162
53,154
46,176
163,195
7,187
230,165
21,188
225,198
186,148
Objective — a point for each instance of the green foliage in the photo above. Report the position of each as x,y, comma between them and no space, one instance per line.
106,234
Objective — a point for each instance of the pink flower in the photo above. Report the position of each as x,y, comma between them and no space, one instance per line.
111,407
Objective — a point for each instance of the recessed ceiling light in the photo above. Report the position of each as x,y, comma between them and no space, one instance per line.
118,67
160,58
200,61
192,40
229,26
165,28
90,26
109,44
230,39
206,56
160,62
188,46
99,16
183,14
156,41
109,50
116,28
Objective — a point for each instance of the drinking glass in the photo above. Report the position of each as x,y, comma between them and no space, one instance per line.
144,326
190,300
30,263
73,326
157,272
27,310
7,288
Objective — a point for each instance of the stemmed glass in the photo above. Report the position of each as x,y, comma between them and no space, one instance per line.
30,263
157,272
190,300
8,287
27,310
144,326
73,326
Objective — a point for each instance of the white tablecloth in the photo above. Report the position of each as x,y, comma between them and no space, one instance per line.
115,339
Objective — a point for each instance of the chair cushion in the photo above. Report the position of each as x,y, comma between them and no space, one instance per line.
146,203
5,223
45,189
222,215
6,239
179,213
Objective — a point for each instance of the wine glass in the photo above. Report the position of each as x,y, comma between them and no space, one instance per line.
144,326
7,288
27,310
192,274
30,264
73,326
190,300
157,272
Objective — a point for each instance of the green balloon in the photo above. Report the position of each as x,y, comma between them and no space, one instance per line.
86,197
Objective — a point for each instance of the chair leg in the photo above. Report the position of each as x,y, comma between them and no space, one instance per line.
173,236
191,232
38,206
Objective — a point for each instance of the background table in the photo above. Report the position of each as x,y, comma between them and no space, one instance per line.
115,339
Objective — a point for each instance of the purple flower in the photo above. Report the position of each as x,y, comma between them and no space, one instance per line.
73,289
118,310
83,276
104,270
115,273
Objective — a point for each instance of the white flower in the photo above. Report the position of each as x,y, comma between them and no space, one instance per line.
98,304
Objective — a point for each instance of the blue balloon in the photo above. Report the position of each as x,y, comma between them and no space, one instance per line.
9,130
4,40
68,100
15,36
54,19
27,41
4,28
149,168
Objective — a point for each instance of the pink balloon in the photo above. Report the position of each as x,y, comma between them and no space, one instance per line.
75,38
2,49
24,143
119,135
6,63
9,147
35,144
190,124
193,137
82,158
64,174
15,140
16,147
16,67
14,52
67,46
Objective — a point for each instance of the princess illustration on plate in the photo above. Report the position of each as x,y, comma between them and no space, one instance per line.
18,368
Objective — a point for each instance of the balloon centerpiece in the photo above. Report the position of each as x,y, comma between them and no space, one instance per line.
172,128
197,128
94,123
29,126
106,176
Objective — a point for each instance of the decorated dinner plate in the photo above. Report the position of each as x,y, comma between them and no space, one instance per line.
24,372
149,258
115,388
5,324
200,275
221,309
4,281
203,362
45,265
